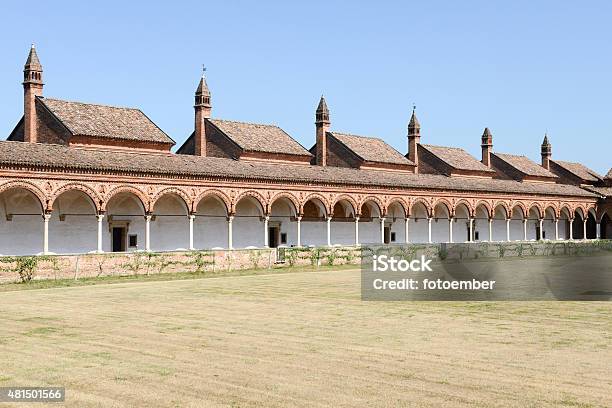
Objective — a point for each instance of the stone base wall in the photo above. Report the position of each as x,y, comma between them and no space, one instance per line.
216,261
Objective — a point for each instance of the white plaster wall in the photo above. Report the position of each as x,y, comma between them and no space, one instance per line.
210,225
76,234
170,225
314,233
24,234
248,225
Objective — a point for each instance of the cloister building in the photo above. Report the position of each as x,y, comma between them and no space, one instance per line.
79,177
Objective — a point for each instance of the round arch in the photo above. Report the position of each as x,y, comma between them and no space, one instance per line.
521,207
489,210
401,202
30,187
316,197
253,195
348,199
468,206
217,194
287,196
538,207
172,191
504,206
91,194
373,199
444,202
140,196
424,203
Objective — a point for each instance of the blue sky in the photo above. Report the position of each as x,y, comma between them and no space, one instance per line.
520,68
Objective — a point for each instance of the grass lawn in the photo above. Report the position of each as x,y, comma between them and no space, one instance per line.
299,339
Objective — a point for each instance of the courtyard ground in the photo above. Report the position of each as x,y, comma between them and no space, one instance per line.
300,339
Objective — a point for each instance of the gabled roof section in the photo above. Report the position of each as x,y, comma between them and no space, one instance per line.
260,138
106,122
371,149
457,158
524,165
579,170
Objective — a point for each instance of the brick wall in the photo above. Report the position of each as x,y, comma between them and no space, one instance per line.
210,262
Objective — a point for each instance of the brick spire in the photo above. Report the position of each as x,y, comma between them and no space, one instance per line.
487,147
414,138
322,123
32,87
203,109
546,152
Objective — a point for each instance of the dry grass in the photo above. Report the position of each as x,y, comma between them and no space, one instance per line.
300,339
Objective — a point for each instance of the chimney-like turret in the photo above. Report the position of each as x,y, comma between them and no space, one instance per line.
203,110
546,153
487,147
414,139
322,124
32,87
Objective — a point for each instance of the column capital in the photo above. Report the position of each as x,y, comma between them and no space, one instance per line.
230,217
266,217
357,217
100,217
46,216
148,217
191,216
328,218
298,217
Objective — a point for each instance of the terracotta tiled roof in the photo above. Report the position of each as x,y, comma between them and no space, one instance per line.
260,138
525,165
84,119
457,158
47,156
579,170
604,191
371,149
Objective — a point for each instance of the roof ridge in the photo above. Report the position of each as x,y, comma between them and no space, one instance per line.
361,136
446,147
245,123
43,98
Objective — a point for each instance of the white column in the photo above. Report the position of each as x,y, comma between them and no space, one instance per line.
541,229
299,230
571,228
230,238
147,232
100,217
584,229
471,239
429,229
46,218
356,230
598,231
329,231
450,229
191,218
407,229
524,229
382,230
556,229
266,232
490,229
508,229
